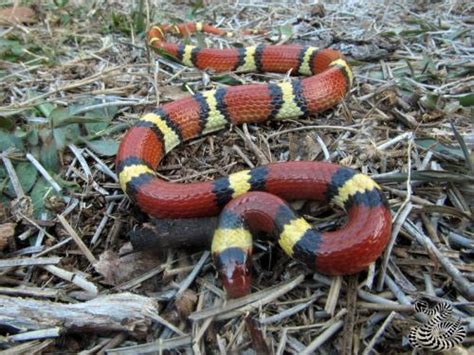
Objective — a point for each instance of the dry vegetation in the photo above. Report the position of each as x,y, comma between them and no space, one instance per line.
74,77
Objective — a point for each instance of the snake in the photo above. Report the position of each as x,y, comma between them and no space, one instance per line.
440,332
255,200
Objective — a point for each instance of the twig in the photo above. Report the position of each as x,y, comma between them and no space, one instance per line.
103,167
323,337
249,142
54,247
156,317
400,217
82,246
239,151
290,311
74,85
43,172
103,222
13,177
377,335
80,158
401,308
76,279
192,275
33,223
350,318
465,287
36,334
323,146
399,138
333,296
25,291
112,343
124,312
156,346
399,294
31,347
138,280
109,104
198,333
282,343
254,300
414,199
7,263
305,128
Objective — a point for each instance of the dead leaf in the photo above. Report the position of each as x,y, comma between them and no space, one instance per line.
17,14
7,231
318,11
171,93
116,269
186,303
3,213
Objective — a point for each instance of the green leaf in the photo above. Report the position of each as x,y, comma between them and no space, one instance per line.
138,17
121,22
10,50
196,6
103,116
61,3
4,201
467,100
45,108
460,32
63,116
32,137
106,147
27,175
226,79
65,135
436,147
120,127
6,123
48,151
9,140
430,101
410,67
41,191
58,115
286,32
465,150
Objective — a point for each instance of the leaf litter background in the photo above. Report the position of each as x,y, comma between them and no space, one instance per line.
76,75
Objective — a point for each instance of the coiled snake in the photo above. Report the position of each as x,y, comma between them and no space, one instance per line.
255,199
440,332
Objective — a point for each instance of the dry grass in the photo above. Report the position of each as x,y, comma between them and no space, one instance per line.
78,76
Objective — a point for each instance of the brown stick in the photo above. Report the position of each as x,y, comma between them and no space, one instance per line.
163,234
123,312
350,321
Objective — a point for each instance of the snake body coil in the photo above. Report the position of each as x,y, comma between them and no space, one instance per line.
440,332
255,198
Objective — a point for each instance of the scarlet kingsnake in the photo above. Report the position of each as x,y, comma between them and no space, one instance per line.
254,198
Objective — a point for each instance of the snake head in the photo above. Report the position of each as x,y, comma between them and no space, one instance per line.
234,271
